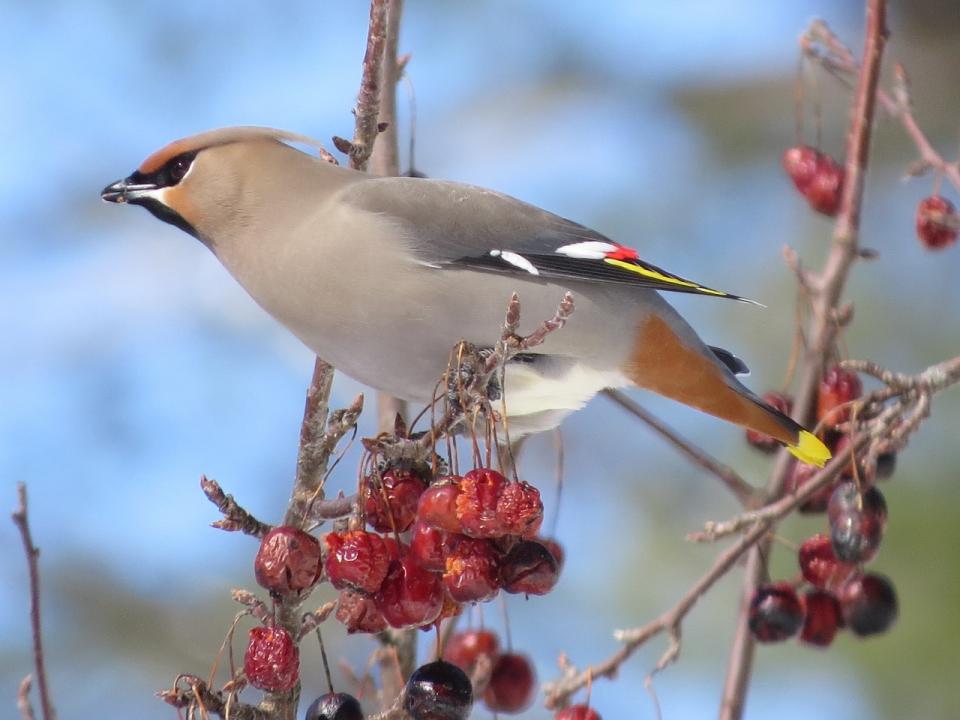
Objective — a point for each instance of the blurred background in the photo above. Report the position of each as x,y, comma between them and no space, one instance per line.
131,362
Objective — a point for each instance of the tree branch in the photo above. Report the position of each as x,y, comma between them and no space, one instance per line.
822,332
22,521
742,490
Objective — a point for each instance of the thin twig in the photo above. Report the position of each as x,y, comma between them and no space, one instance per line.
367,110
559,692
22,521
235,518
23,698
743,490
839,59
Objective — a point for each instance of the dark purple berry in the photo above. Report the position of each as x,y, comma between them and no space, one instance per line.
869,604
438,691
334,706
775,612
856,522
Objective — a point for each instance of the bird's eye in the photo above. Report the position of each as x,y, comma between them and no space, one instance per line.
178,167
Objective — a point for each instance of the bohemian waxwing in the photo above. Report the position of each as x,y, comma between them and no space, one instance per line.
382,276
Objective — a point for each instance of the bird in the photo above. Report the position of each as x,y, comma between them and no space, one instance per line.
381,276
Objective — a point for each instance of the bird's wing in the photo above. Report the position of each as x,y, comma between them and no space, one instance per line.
456,225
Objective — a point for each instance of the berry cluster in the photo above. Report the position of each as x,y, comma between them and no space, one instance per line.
469,537
837,593
937,222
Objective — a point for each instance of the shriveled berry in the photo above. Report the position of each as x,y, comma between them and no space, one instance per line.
472,570
438,691
936,222
480,491
838,386
427,546
577,712
466,649
520,509
356,559
529,568
856,522
359,613
825,189
409,596
800,163
761,441
288,560
775,612
334,706
512,685
800,474
822,618
390,502
820,566
437,506
272,660
869,604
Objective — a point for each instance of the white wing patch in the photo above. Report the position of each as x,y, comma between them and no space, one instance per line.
590,250
518,261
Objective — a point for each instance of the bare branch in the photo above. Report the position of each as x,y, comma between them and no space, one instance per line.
821,334
235,518
743,490
22,521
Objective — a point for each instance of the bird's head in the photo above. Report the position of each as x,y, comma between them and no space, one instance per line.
209,183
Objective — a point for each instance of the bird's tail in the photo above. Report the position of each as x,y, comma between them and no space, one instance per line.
663,363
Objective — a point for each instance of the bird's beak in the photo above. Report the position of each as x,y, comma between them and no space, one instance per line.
127,190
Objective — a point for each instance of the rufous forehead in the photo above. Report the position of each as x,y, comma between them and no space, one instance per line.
162,156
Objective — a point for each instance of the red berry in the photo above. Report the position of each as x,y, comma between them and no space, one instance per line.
762,441
472,572
822,618
359,613
800,475
869,604
577,712
820,566
466,649
826,187
856,522
800,162
334,706
775,612
427,546
437,506
410,596
520,509
272,660
512,685
438,691
356,559
837,387
936,222
555,548
288,560
480,491
390,503
529,568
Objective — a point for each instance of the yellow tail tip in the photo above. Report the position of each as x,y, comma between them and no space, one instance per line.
810,449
